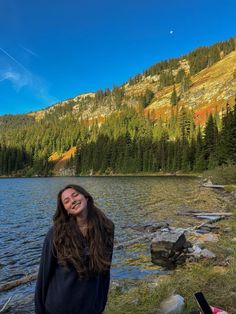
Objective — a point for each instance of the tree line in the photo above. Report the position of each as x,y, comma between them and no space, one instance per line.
127,142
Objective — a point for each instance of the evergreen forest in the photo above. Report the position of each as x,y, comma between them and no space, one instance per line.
127,142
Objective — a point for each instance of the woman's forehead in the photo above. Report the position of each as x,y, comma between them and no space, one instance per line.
67,192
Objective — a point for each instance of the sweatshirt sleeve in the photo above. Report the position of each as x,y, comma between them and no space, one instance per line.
106,276
47,264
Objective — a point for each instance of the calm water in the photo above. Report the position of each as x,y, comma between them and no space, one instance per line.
27,206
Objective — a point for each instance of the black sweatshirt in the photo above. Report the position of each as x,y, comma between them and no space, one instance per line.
60,291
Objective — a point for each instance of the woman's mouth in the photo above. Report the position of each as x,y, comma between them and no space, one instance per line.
76,205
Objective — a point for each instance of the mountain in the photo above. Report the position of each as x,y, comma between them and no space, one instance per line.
171,117
208,91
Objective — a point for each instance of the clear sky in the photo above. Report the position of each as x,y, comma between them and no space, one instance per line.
51,50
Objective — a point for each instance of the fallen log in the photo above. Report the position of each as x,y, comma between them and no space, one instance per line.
15,283
212,186
198,213
199,226
212,214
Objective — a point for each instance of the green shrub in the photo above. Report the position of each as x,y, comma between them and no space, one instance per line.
225,174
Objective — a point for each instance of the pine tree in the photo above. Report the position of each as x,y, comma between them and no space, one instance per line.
227,142
200,163
185,84
210,142
174,98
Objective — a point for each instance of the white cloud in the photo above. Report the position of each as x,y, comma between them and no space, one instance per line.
171,32
17,79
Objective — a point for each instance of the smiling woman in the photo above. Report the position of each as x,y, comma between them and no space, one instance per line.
74,272
75,203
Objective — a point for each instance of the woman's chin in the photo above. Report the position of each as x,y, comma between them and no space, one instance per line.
79,211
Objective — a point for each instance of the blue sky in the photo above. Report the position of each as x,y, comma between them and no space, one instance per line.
53,50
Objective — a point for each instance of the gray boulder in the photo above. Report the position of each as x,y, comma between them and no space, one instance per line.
167,248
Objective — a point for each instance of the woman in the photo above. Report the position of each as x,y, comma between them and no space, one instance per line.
74,271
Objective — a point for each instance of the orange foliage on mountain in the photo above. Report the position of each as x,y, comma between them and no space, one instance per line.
60,160
211,89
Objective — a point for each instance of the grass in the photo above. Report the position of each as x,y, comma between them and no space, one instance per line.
225,174
215,278
217,283
230,188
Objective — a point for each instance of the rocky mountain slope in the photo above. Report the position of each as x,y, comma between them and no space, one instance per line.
209,91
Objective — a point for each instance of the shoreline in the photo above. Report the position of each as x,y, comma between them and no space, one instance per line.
146,174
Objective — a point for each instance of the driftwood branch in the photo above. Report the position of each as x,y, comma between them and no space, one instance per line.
5,305
212,214
199,226
15,283
196,214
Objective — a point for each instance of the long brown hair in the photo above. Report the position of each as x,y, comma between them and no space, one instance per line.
69,243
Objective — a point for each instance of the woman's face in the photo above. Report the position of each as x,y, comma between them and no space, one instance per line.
74,202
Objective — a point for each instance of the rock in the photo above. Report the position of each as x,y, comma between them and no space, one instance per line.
228,229
202,231
187,245
207,228
196,250
211,227
210,218
150,227
181,259
207,254
172,305
173,241
199,244
65,172
192,259
190,250
166,247
210,237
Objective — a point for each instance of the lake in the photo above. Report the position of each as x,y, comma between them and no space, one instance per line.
28,204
